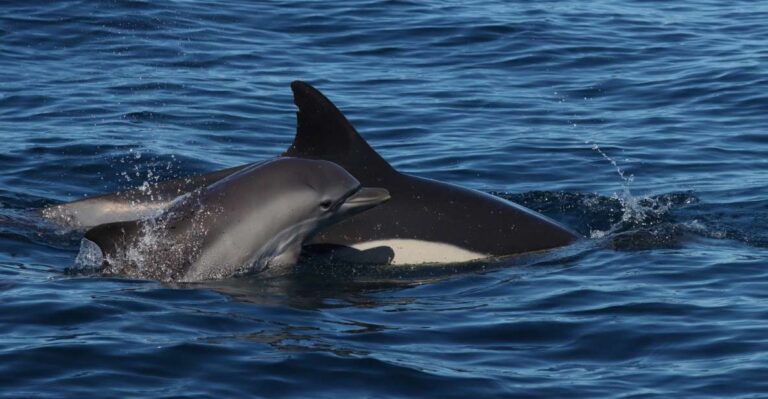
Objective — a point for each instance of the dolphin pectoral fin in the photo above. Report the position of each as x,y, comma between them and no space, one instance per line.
283,263
323,132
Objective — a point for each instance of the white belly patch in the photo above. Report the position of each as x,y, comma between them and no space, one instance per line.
411,252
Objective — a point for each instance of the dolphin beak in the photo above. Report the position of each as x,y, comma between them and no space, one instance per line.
363,199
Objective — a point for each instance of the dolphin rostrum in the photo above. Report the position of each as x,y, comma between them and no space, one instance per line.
253,220
426,221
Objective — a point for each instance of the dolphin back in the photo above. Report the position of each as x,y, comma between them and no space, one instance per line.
138,203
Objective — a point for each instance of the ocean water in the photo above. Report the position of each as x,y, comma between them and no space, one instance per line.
642,125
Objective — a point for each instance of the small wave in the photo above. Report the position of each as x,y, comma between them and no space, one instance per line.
650,222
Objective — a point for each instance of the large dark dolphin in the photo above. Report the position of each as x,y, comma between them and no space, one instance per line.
253,220
426,221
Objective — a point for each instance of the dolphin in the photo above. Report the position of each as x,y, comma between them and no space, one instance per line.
255,219
427,221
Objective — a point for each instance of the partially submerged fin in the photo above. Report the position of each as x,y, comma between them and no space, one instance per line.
323,132
112,238
140,249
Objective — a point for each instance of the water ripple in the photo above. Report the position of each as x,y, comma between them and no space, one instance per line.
641,125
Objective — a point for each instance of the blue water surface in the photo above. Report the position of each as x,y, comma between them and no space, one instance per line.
642,125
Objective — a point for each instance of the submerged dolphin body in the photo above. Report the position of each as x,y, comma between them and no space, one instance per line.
255,218
426,221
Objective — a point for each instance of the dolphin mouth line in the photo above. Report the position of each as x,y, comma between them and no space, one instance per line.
364,198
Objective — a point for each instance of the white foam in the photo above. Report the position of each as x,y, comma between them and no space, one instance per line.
90,256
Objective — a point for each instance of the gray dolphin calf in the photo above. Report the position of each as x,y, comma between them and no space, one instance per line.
426,221
252,220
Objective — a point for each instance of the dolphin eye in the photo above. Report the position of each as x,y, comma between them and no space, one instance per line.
325,205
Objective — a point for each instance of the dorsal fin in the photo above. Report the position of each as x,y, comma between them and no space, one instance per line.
112,237
323,132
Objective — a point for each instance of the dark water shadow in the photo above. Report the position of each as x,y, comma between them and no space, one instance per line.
319,285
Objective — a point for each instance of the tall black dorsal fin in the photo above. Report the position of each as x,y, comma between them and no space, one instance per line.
323,132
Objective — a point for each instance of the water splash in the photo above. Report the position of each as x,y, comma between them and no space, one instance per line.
636,211
154,251
90,258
